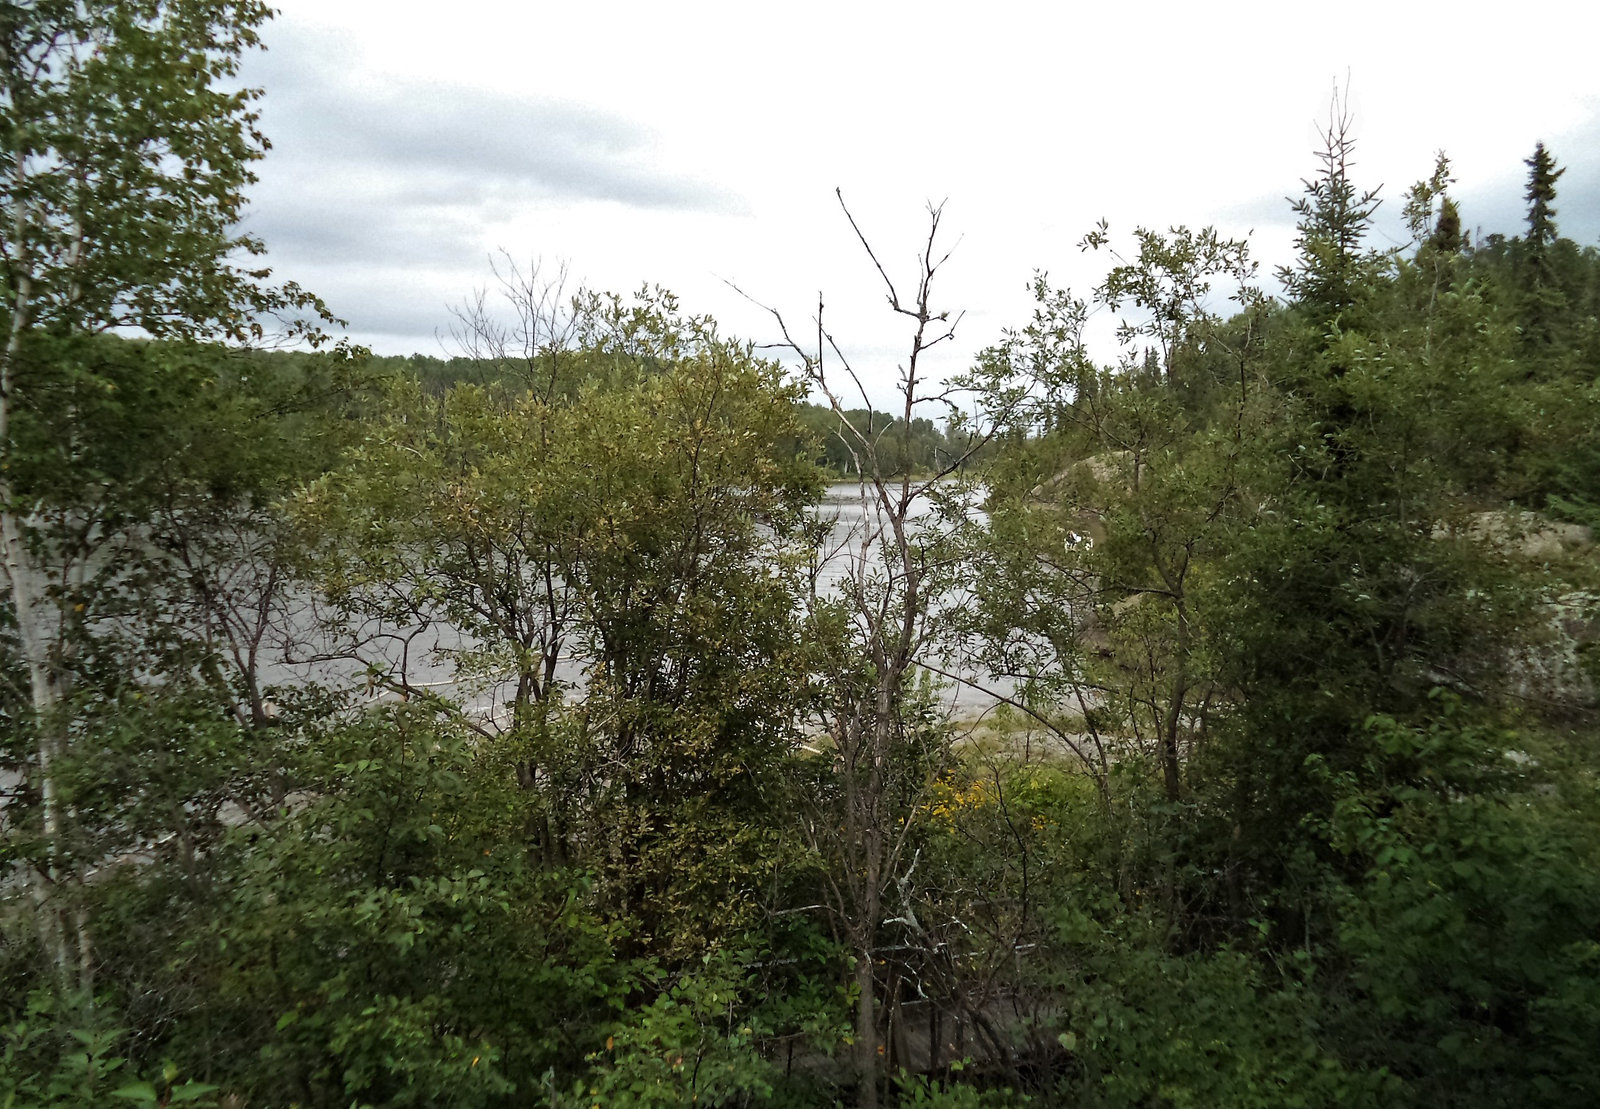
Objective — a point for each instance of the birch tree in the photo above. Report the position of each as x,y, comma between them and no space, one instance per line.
126,155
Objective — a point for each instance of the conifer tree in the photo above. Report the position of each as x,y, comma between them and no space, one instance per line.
1542,177
1334,218
1447,236
1544,300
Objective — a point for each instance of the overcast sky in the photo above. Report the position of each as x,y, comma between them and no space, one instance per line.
695,144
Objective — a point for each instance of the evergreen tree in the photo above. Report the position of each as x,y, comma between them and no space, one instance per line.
1542,178
1334,217
1446,236
1543,298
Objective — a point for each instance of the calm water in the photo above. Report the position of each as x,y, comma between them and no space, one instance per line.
426,655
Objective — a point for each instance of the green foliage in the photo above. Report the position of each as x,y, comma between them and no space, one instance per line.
925,1093
639,535
134,155
390,928
1332,274
1471,932
696,1044
674,830
920,448
1169,282
1200,1030
53,1059
1299,555
64,1053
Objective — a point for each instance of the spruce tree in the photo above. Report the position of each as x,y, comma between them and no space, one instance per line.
1447,236
1542,177
1334,217
1542,298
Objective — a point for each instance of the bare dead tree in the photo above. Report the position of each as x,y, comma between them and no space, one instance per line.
885,752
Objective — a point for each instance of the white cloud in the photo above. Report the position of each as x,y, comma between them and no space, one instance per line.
691,143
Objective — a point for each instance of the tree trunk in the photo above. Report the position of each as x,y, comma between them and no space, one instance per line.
45,694
866,1030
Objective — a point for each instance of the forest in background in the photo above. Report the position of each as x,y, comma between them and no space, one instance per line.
1289,612
823,436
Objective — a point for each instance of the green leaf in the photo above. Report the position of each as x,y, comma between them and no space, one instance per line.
138,1091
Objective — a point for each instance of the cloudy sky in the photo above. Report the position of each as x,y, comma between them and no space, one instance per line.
698,144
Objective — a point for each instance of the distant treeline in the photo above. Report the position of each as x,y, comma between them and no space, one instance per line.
926,448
